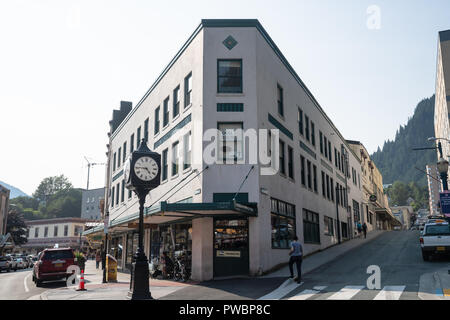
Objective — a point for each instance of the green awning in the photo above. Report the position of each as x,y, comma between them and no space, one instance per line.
164,213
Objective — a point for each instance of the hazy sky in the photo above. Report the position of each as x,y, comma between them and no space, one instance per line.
64,66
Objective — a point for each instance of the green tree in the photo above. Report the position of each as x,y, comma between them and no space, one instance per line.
16,227
51,186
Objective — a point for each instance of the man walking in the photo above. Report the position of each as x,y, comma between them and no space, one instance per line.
98,258
359,227
296,257
364,227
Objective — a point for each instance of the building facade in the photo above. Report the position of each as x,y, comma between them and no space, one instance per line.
4,205
46,233
230,76
90,203
434,188
375,211
404,214
442,99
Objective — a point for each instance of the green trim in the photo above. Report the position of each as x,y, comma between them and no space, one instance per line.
340,177
308,150
230,107
282,128
117,176
169,134
326,165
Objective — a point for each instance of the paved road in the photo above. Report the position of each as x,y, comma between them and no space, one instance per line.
19,285
396,253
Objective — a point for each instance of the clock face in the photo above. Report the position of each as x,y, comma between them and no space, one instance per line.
146,168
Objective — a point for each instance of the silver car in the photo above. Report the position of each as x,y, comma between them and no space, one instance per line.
20,263
7,263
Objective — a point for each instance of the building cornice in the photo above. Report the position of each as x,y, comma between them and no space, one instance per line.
56,220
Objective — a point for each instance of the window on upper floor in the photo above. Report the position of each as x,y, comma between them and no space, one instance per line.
280,102
290,162
313,134
132,143
164,164
166,112
138,137
124,152
175,159
118,157
300,120
307,127
36,232
146,129
229,76
321,142
282,164
176,102
55,231
114,162
188,90
187,147
156,120
230,141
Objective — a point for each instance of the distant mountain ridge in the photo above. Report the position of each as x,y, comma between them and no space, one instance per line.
396,160
15,192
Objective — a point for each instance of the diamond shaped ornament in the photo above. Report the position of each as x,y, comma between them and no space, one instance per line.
230,42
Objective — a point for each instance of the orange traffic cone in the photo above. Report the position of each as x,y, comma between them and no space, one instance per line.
81,286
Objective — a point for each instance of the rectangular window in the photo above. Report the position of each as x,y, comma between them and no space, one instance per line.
308,167
321,142
117,193
166,112
146,129
230,141
138,137
332,189
303,170
323,184
300,120
112,197
176,102
175,159
283,223
337,194
45,232
282,165
280,100
36,232
307,127
325,146
329,150
164,165
311,231
335,158
156,120
313,134
356,214
188,90
291,162
114,162
339,161
328,188
66,231
55,231
315,178
124,152
132,143
328,226
229,76
122,192
118,157
187,150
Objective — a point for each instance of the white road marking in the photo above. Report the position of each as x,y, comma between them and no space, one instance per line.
390,293
346,293
306,294
282,290
25,283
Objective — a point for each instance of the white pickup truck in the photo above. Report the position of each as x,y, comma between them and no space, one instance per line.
435,239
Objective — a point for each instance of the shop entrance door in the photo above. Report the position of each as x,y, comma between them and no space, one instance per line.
231,254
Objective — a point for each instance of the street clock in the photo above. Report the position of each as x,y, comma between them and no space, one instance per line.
373,198
142,170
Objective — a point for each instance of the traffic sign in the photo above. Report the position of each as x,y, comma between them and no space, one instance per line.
445,202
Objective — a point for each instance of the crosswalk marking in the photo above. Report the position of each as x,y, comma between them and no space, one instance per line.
346,293
287,286
307,293
390,293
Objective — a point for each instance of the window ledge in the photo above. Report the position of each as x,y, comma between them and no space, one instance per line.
230,94
187,107
176,117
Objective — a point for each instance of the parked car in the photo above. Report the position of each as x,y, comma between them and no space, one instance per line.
7,263
435,239
20,263
53,264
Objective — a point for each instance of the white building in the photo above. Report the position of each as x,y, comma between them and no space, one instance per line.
90,203
230,75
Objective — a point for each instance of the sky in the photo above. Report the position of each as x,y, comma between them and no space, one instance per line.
65,65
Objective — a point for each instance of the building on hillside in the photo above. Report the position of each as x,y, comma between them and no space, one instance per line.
404,214
90,203
442,98
64,232
434,189
4,205
230,76
375,211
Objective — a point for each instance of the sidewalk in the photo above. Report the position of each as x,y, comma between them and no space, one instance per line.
96,290
436,285
318,259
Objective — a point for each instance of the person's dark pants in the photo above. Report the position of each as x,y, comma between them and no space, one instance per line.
365,234
97,263
298,261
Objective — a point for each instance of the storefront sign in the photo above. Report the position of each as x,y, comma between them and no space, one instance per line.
229,254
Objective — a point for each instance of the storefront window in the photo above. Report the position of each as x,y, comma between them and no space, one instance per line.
283,224
231,235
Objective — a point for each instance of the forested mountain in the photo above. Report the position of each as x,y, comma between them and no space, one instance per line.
397,161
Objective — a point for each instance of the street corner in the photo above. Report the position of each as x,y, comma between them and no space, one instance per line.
435,285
